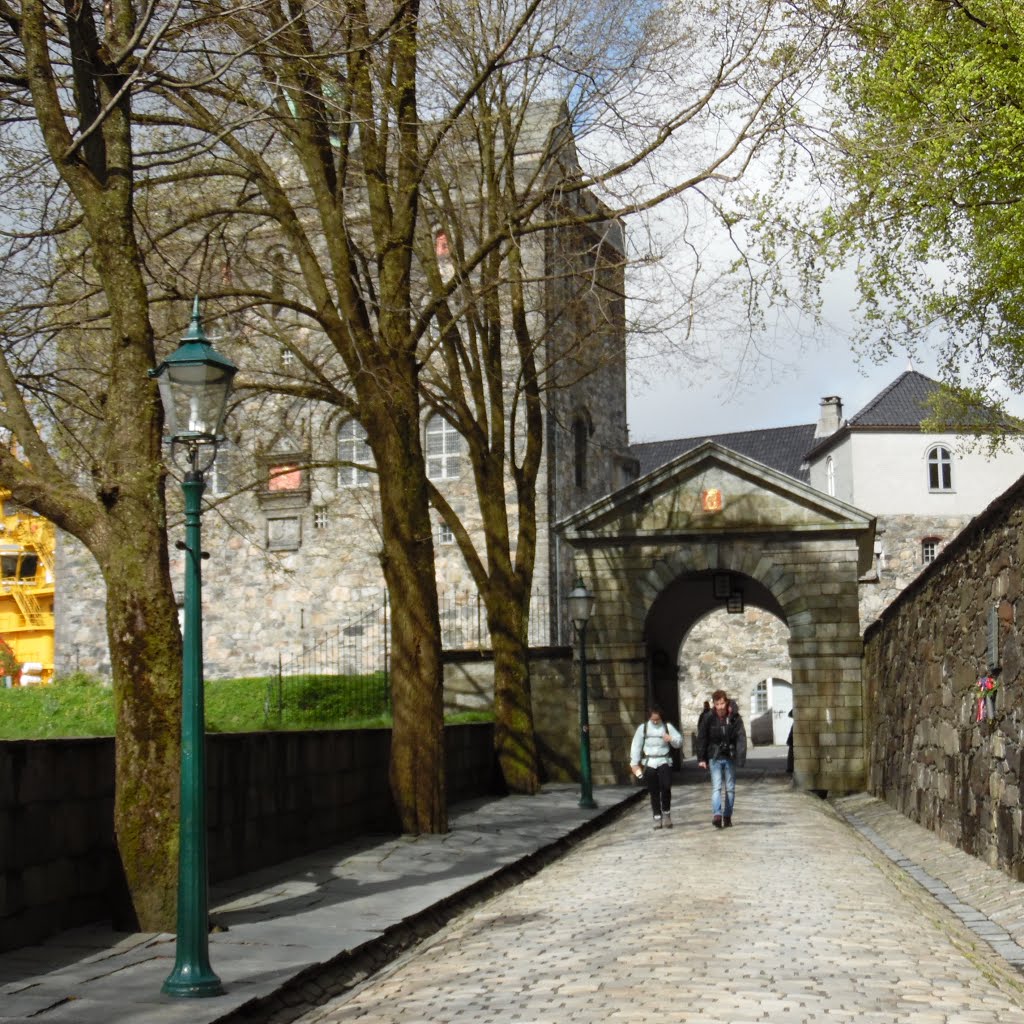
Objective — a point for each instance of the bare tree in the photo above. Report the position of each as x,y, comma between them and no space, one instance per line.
82,420
365,132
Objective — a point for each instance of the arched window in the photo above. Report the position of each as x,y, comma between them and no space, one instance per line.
444,449
353,454
940,469
580,439
830,476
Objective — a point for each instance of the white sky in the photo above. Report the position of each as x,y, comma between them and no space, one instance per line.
670,407
781,386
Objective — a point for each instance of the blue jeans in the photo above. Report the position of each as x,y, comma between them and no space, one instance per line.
722,770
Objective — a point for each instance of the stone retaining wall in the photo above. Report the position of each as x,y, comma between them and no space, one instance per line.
928,756
271,796
554,689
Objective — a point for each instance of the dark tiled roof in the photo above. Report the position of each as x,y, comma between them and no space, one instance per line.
781,448
902,404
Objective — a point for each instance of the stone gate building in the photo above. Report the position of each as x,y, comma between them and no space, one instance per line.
714,528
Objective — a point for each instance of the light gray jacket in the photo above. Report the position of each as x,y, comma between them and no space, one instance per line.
653,750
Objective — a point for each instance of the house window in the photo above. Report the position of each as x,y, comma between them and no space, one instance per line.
444,534
580,436
353,454
940,469
929,549
830,476
444,449
319,518
759,698
287,357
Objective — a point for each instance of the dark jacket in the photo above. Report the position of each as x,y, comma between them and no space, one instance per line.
718,737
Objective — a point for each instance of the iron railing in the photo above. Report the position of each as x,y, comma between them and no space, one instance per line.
345,677
464,621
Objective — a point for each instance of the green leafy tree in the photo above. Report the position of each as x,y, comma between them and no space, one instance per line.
923,164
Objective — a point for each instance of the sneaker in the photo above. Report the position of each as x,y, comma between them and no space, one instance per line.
657,822
667,819
727,822
717,821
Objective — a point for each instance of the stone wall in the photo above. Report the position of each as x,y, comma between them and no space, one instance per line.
898,541
292,565
271,796
927,754
554,686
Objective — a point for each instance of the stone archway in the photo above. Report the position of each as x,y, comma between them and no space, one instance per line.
722,522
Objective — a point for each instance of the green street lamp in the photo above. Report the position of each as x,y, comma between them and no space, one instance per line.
581,607
194,383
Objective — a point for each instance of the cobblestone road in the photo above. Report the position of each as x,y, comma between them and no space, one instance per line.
789,917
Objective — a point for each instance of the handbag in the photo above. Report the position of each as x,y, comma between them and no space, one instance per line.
641,779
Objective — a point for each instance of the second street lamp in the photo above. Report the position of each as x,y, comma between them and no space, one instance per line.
194,383
581,607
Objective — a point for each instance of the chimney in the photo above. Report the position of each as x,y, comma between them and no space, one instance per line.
831,417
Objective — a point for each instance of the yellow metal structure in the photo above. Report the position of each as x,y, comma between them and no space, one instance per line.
27,543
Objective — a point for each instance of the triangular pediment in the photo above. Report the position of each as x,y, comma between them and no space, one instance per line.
714,491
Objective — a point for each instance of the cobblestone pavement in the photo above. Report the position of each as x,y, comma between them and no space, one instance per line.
791,916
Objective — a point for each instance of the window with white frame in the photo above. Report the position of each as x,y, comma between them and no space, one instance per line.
444,533
353,455
759,698
830,476
929,549
319,518
940,468
445,448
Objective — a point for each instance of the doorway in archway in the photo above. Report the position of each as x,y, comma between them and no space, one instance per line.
738,653
770,705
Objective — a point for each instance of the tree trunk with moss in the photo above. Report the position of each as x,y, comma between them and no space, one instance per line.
118,513
391,418
514,741
145,657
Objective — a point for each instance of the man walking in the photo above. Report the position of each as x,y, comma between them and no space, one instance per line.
722,746
650,760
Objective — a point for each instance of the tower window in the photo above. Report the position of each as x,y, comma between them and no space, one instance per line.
444,449
353,455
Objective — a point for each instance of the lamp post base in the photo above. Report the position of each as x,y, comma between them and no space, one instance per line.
587,803
189,984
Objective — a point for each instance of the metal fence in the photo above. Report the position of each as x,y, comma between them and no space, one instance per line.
345,678
464,621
